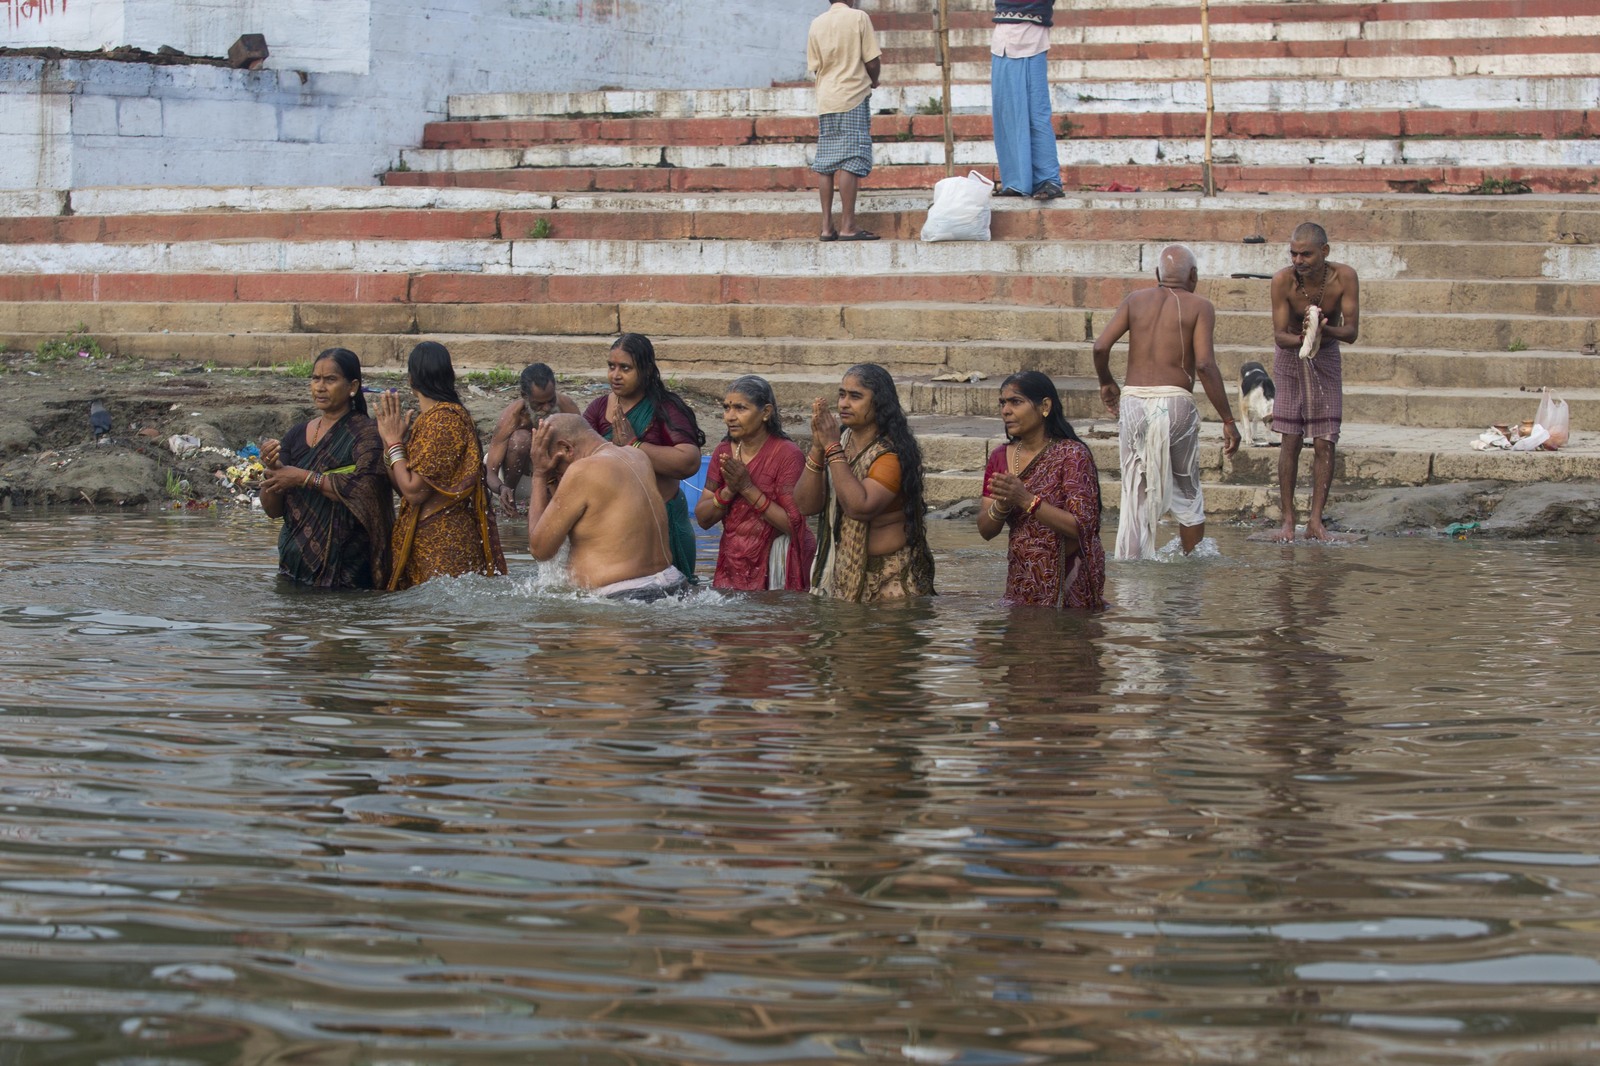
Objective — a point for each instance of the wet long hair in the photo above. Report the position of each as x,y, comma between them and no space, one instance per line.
643,353
349,364
896,431
1038,387
758,391
432,373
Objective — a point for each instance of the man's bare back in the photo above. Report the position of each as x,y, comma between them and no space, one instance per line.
1161,325
605,503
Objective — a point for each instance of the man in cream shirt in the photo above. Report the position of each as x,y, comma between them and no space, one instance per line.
842,54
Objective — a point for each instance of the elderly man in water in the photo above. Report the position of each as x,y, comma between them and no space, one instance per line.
1316,307
1170,334
604,502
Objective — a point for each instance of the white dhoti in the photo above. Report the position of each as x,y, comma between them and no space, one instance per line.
1159,440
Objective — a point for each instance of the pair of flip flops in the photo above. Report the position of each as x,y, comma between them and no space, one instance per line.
859,235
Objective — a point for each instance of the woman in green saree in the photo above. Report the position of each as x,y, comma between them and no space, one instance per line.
641,412
326,480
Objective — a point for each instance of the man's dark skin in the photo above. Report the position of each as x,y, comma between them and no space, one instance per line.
1295,288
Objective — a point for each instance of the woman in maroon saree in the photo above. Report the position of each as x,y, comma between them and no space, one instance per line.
766,543
1044,486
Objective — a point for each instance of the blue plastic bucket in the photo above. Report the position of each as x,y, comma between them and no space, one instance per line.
694,485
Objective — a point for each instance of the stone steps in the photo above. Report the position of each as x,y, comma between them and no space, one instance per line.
521,134
1436,407
1436,260
1075,151
1122,91
1227,178
1423,296
898,216
1462,350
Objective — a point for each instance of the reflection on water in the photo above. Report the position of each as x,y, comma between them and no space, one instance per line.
1278,806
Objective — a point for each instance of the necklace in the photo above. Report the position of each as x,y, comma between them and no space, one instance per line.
317,432
738,452
1014,463
1300,284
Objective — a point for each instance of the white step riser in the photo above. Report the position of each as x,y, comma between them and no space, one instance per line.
669,258
1249,32
1139,151
1116,94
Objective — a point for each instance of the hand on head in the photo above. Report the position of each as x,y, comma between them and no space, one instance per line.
541,451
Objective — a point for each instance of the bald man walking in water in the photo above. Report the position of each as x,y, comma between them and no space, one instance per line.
1170,336
1308,368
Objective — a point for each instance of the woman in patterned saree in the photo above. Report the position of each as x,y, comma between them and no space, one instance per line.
766,543
1045,487
325,480
872,543
445,527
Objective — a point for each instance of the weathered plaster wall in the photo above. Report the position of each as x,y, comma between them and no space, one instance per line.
350,82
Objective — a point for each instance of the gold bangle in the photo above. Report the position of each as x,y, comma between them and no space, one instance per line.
810,465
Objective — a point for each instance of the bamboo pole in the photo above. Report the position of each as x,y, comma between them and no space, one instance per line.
1208,182
944,63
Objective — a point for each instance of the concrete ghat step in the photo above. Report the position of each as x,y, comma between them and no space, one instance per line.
1143,11
1320,125
1423,296
1463,349
1326,179
1495,64
1072,152
1427,408
1279,30
1437,260
922,48
779,216
1304,91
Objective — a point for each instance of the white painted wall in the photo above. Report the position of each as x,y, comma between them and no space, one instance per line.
350,83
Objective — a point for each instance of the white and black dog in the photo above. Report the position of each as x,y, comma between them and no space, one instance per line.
1255,403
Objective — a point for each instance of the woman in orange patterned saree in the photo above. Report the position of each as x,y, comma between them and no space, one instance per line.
445,527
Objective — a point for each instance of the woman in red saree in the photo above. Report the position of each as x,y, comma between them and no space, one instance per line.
445,527
765,544
1045,488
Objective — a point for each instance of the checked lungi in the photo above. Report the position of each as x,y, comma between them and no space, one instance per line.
844,141
1310,392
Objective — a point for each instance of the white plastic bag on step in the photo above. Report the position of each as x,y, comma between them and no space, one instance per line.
960,210
1554,416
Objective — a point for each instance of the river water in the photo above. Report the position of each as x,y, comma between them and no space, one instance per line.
1285,805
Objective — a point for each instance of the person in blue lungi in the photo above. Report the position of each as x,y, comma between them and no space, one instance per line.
1019,87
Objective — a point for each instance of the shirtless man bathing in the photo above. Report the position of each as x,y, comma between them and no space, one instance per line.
1310,400
1170,344
507,460
606,503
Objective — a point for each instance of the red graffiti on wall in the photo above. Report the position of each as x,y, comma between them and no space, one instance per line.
20,11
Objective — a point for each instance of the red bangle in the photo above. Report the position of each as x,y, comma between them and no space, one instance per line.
1032,507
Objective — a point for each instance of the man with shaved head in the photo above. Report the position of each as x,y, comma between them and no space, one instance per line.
1170,334
1316,305
606,504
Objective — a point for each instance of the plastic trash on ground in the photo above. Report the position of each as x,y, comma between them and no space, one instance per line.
960,210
